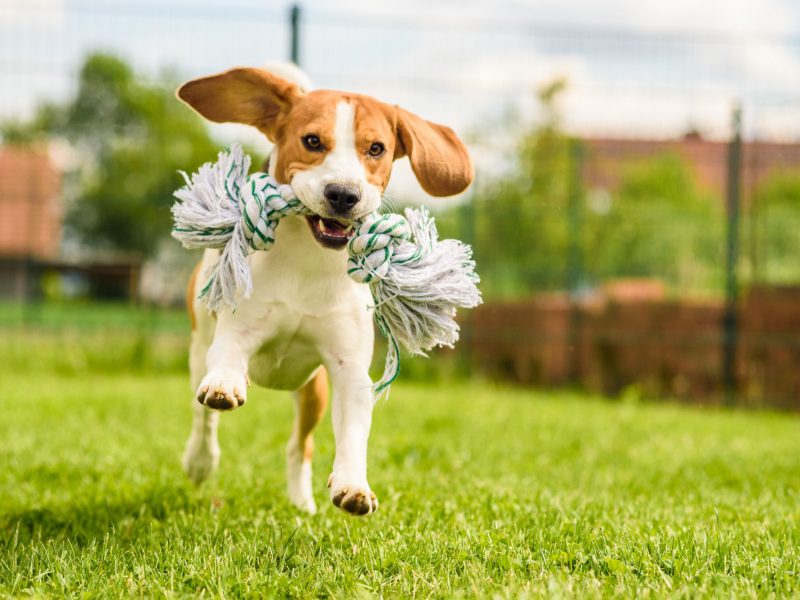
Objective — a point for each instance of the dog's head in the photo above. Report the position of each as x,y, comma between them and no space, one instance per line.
335,149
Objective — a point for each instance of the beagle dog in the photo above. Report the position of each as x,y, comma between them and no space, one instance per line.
306,320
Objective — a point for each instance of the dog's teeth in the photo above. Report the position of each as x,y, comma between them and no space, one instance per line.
322,226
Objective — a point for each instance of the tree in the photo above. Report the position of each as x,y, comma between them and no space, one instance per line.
656,223
519,228
131,137
776,215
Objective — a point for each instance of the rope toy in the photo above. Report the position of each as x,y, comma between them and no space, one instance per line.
416,280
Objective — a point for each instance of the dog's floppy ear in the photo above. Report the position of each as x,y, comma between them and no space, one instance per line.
245,95
438,158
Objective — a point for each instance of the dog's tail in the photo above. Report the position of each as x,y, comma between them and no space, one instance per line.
290,72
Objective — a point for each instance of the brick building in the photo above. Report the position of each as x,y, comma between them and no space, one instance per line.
30,218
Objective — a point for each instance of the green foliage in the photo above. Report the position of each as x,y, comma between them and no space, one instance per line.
131,138
536,228
776,227
76,338
520,233
657,224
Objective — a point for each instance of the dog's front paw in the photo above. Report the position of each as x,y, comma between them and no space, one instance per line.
356,499
223,389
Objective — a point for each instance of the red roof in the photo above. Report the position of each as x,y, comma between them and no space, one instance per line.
607,160
30,204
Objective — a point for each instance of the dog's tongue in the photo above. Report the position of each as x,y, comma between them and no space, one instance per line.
332,228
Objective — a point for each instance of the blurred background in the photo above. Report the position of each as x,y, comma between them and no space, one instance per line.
635,215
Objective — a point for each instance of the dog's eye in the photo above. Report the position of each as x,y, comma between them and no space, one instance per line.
312,142
377,149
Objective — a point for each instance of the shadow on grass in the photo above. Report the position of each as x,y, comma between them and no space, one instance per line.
129,514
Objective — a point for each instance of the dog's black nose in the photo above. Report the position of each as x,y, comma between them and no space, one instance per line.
342,198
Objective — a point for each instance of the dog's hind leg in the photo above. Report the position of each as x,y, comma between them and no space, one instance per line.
201,456
310,403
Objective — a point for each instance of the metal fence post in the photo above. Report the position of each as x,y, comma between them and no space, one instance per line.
294,23
730,322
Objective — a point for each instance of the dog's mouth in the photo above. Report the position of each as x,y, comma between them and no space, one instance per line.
330,233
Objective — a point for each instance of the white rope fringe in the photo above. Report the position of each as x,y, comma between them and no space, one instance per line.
417,282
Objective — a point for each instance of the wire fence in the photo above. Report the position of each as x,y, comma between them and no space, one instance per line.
481,66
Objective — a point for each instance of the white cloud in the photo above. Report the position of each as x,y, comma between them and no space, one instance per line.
652,16
37,13
631,112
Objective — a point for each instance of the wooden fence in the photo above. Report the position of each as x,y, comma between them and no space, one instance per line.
663,347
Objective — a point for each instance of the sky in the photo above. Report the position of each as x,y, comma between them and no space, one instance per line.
635,68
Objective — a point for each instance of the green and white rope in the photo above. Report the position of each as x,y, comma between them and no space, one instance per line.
416,281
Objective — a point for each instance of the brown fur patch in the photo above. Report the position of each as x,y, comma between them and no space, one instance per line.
311,405
252,96
375,122
438,158
190,294
314,113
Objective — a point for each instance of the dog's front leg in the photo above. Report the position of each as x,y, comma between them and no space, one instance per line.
224,386
352,418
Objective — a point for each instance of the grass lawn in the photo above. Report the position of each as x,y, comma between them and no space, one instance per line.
483,491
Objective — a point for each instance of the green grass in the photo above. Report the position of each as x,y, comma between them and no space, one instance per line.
92,316
484,491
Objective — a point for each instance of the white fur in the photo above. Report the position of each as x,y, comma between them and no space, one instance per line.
304,311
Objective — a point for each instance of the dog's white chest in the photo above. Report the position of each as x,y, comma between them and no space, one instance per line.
302,303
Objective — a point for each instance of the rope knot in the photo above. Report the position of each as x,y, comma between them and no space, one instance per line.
374,246
263,204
